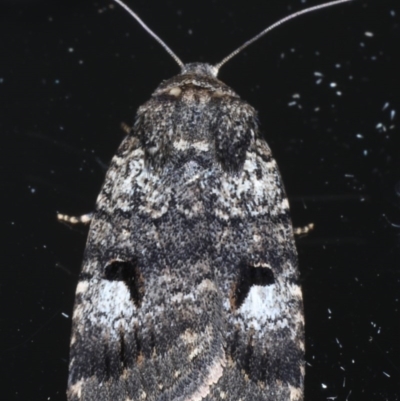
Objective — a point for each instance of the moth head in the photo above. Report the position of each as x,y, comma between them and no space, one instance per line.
199,69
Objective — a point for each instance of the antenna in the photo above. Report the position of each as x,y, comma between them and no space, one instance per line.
280,22
149,31
239,49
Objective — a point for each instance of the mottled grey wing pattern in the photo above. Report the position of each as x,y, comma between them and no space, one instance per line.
189,286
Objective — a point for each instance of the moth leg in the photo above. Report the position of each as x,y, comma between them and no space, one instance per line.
303,230
84,219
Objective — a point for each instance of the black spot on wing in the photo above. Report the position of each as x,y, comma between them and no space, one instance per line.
249,276
129,273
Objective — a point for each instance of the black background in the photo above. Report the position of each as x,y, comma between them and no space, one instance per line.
72,71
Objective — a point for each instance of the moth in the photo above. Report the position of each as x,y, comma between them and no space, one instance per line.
189,288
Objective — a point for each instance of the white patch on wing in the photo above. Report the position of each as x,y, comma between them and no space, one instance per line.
261,303
270,307
114,308
82,286
284,204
